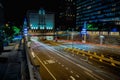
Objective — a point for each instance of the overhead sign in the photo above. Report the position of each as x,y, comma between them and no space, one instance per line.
84,31
25,31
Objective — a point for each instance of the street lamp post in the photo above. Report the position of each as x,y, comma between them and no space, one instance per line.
56,38
72,37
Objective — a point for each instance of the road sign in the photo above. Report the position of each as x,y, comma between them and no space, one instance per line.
84,31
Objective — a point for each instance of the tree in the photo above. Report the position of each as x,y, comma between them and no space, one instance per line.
16,30
8,31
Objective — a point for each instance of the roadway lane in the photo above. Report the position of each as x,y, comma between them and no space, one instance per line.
107,51
63,67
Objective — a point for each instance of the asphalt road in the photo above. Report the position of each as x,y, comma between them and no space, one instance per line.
106,51
55,65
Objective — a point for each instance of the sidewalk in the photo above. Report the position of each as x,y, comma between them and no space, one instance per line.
10,62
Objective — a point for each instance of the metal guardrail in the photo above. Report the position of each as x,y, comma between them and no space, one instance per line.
101,57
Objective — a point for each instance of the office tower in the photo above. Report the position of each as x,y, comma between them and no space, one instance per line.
100,15
40,20
66,14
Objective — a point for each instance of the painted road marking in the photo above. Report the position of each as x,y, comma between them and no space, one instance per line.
33,54
77,76
90,75
90,71
45,62
50,61
71,71
72,78
46,68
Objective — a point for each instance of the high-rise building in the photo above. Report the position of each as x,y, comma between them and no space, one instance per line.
98,14
66,14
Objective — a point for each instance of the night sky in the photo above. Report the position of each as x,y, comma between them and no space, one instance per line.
15,10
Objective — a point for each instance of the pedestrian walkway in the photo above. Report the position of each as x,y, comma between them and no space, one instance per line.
10,62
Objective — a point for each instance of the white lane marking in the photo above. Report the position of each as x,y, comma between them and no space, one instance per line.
74,63
46,68
45,62
83,68
33,54
90,75
99,77
72,78
70,60
50,61
77,76
71,71
51,49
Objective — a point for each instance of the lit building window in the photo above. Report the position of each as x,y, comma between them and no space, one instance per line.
113,9
88,7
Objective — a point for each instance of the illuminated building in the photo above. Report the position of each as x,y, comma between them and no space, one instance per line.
66,14
40,20
41,23
100,15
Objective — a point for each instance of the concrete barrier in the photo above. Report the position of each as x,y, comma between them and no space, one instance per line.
100,58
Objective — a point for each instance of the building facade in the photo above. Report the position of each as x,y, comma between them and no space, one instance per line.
66,14
40,21
100,15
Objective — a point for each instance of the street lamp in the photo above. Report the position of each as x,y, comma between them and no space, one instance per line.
56,38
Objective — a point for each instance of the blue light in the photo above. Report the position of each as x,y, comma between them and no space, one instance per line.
114,30
84,29
25,29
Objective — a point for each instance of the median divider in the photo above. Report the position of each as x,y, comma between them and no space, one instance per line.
91,55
